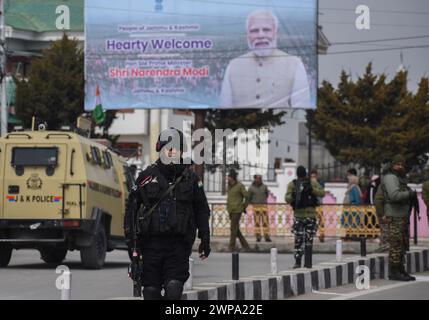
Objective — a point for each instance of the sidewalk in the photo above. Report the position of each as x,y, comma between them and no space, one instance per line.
289,283
286,245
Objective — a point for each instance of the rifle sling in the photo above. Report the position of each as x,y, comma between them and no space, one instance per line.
166,192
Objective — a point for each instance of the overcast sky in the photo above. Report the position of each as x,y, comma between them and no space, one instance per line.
389,19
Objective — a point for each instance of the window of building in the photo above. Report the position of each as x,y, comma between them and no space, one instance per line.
183,112
277,163
129,149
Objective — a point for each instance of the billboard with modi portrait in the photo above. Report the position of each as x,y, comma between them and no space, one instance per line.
201,53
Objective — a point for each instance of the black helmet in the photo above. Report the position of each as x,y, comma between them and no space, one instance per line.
233,174
173,136
301,172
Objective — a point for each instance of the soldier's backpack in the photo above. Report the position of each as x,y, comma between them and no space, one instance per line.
304,197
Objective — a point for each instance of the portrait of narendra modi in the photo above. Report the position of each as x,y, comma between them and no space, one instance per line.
264,77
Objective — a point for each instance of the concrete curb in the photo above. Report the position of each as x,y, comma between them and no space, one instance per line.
219,244
301,281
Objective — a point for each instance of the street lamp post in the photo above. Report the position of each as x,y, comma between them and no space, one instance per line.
4,111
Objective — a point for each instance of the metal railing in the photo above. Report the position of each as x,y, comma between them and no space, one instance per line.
336,220
333,172
214,178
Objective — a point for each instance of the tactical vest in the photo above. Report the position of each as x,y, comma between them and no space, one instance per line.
304,197
174,214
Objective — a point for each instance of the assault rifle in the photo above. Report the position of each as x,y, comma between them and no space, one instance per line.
135,269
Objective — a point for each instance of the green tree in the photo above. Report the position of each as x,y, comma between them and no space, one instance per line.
372,119
54,91
243,118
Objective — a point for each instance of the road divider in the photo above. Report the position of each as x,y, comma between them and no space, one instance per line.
302,281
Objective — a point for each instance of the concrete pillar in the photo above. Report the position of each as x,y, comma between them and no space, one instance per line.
154,130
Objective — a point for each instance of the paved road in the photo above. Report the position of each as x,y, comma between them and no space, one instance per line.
379,290
27,277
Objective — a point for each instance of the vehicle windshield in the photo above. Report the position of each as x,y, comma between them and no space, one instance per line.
35,156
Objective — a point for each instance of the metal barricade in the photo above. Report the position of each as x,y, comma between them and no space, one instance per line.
334,220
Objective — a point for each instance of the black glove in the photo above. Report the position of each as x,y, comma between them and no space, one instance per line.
413,194
129,239
204,247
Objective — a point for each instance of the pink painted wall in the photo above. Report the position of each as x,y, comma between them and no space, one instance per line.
422,225
329,199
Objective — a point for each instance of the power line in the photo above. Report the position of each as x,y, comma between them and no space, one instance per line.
304,8
376,24
164,12
284,140
289,47
249,4
379,40
381,49
379,11
276,56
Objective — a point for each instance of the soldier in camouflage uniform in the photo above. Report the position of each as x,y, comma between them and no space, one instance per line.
396,209
384,230
302,195
379,207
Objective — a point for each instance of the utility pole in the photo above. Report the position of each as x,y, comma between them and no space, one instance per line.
154,131
310,160
199,124
3,110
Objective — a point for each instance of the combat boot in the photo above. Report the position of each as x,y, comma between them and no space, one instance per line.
297,264
406,274
396,275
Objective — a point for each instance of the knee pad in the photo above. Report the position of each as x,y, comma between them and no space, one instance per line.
151,293
173,290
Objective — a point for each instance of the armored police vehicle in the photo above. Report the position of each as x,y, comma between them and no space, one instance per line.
61,191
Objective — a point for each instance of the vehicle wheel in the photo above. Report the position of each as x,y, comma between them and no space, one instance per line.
93,257
5,254
53,255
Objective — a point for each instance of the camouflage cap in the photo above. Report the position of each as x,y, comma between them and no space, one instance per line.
399,158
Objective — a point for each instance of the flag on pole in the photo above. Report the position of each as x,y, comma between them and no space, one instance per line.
98,113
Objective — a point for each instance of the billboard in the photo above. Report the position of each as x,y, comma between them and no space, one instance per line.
201,54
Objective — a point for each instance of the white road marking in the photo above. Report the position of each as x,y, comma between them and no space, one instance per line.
422,278
329,293
370,291
125,298
337,294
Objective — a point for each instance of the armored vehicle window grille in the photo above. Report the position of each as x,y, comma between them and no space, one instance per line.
107,160
34,156
110,158
95,152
